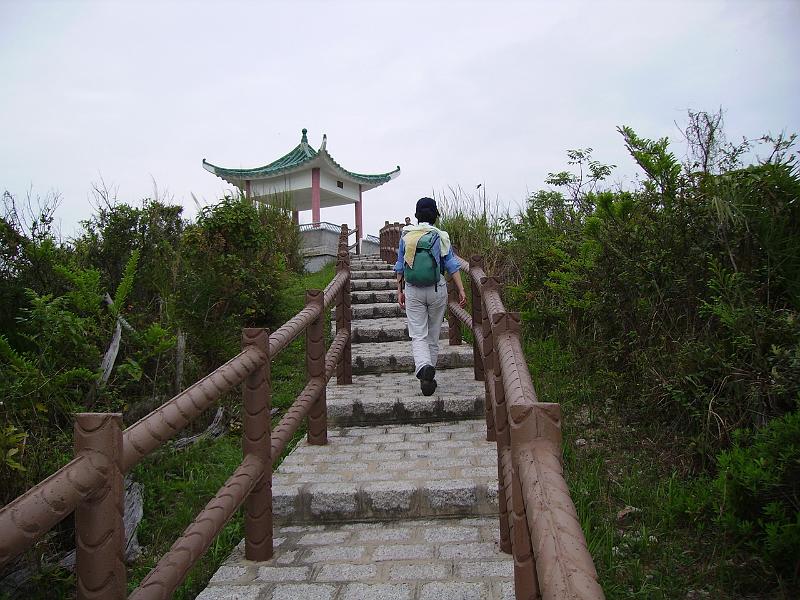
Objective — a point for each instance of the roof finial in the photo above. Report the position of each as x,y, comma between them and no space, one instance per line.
305,139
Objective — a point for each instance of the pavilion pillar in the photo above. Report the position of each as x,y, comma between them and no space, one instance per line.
247,191
315,212
359,225
296,217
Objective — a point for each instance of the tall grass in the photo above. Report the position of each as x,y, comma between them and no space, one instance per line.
476,225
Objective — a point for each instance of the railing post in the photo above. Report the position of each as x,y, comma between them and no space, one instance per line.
344,370
395,241
256,441
487,351
383,236
315,368
453,324
502,433
476,262
526,584
99,529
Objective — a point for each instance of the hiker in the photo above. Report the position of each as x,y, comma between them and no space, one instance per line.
408,220
424,255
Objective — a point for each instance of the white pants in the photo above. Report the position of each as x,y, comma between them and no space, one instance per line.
425,308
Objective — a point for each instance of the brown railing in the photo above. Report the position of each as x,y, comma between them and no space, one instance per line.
390,241
539,525
91,484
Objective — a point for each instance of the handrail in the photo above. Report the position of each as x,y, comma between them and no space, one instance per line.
105,453
31,515
538,521
151,431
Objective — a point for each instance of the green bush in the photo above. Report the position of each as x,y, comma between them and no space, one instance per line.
232,270
759,488
684,290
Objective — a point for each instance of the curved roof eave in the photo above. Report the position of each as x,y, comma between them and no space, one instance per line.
300,157
371,181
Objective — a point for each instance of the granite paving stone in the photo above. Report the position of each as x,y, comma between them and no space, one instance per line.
304,591
346,572
377,591
410,483
384,559
280,574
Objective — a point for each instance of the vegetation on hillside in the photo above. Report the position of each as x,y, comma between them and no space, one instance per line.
173,295
665,319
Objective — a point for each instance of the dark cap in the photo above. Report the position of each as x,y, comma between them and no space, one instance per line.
427,204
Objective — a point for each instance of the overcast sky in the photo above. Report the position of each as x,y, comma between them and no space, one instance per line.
456,93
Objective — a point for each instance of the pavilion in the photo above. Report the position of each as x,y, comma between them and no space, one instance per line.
312,179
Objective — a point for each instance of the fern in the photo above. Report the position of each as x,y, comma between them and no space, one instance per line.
126,285
13,357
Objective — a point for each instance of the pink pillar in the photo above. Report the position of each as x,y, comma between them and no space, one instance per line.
247,189
315,218
296,217
359,211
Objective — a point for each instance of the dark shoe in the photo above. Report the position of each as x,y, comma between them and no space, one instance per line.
427,381
427,387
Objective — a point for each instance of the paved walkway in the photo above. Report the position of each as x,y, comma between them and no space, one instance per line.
402,502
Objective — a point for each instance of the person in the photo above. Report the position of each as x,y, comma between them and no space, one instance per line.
425,304
408,220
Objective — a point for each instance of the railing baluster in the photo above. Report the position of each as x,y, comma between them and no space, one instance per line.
344,371
475,300
256,441
453,324
315,369
526,584
99,530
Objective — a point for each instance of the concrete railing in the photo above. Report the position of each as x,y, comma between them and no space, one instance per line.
91,484
539,525
390,241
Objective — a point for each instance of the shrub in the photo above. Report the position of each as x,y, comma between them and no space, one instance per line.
759,488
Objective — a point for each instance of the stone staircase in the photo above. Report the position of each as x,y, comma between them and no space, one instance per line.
402,501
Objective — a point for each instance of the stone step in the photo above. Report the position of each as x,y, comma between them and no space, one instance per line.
374,274
370,297
389,472
372,265
384,329
421,559
396,398
372,284
395,357
377,310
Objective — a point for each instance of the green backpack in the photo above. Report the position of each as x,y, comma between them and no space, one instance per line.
425,270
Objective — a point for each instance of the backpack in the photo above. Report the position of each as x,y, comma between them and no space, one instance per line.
425,271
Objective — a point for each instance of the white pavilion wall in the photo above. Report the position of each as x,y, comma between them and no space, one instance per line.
294,181
349,189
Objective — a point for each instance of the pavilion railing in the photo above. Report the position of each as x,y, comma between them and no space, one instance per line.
390,241
539,525
91,484
319,225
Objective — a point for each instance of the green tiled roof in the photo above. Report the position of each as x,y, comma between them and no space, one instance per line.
295,159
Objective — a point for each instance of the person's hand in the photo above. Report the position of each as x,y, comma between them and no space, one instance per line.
401,299
462,298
